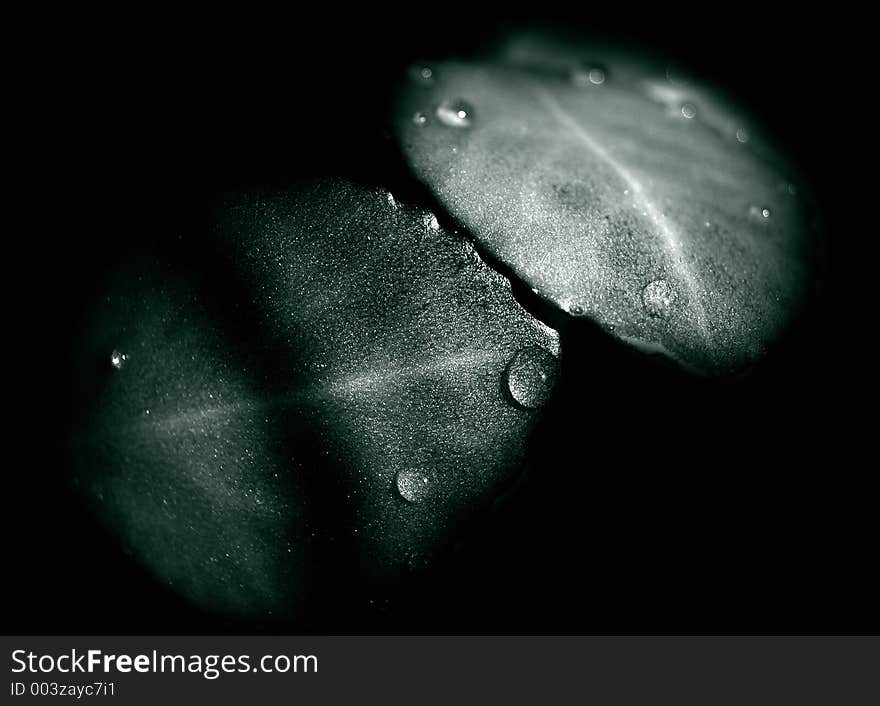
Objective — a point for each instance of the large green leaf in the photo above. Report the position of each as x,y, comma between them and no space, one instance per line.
616,190
334,398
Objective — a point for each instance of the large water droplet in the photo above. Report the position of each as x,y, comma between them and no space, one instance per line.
531,375
590,74
118,359
455,114
414,486
689,110
658,297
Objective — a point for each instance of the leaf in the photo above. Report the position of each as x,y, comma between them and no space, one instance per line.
648,204
324,390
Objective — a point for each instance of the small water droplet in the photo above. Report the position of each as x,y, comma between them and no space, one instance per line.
431,221
414,486
757,212
455,114
742,135
420,119
658,297
531,375
573,308
118,359
421,73
689,110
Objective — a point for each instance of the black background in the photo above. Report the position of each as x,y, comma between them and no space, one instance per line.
652,502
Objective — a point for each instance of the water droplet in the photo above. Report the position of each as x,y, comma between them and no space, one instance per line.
420,119
658,297
756,212
765,212
689,110
455,114
421,74
742,135
414,486
118,359
531,375
573,308
431,221
590,74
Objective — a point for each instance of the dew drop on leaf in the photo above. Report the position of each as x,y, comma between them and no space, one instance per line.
118,359
574,308
421,74
414,486
431,221
658,297
455,114
531,375
589,75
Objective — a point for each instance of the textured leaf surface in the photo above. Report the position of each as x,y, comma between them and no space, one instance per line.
337,406
616,192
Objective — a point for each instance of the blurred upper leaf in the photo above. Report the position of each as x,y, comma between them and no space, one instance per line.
616,189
